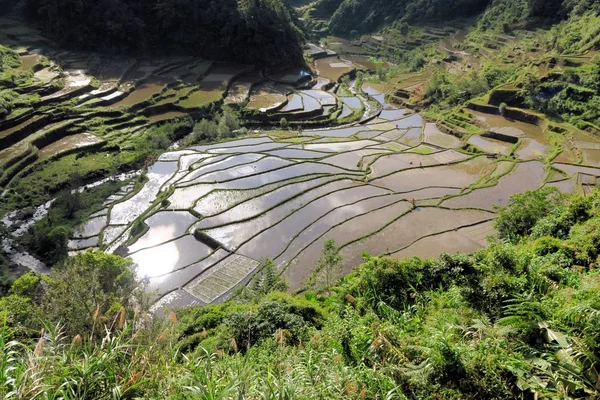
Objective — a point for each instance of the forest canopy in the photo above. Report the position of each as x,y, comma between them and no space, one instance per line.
369,15
263,32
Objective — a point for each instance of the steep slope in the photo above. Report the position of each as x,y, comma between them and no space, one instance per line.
250,31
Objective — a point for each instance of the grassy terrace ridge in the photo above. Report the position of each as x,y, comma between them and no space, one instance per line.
516,319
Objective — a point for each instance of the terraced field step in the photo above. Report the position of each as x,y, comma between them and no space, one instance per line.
219,280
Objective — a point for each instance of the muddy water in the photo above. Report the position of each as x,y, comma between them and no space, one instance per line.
184,198
166,116
233,236
490,145
297,154
128,211
535,144
80,244
222,200
591,156
28,62
392,115
332,68
457,175
532,149
174,280
16,128
234,143
366,62
412,137
361,220
397,162
526,176
274,240
341,146
341,132
500,124
346,112
434,136
249,149
264,165
351,159
142,92
434,246
335,217
409,228
229,162
310,103
573,169
91,228
68,143
413,121
326,99
261,204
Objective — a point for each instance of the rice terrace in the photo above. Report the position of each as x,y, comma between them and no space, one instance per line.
299,199
371,174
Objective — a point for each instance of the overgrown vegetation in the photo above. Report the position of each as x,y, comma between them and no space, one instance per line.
226,125
48,238
257,32
515,320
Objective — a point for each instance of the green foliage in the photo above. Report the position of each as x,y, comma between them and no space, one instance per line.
19,317
366,16
572,96
261,32
88,290
328,268
264,282
509,321
48,238
8,59
520,217
284,123
226,125
25,285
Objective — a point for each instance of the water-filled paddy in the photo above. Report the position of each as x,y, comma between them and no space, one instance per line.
394,185
142,92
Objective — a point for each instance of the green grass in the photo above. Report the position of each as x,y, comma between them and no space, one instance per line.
202,97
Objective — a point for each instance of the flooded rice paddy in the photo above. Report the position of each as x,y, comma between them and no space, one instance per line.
207,215
396,186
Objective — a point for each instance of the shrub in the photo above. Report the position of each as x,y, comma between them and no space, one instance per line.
90,289
521,215
25,285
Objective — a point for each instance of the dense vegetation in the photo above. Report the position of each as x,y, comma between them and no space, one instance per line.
517,319
366,16
247,31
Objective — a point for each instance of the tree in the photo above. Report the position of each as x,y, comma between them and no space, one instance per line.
267,280
229,119
521,215
329,267
502,108
89,290
284,123
381,73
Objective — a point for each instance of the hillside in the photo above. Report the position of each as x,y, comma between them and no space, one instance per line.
364,16
261,32
412,213
519,319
